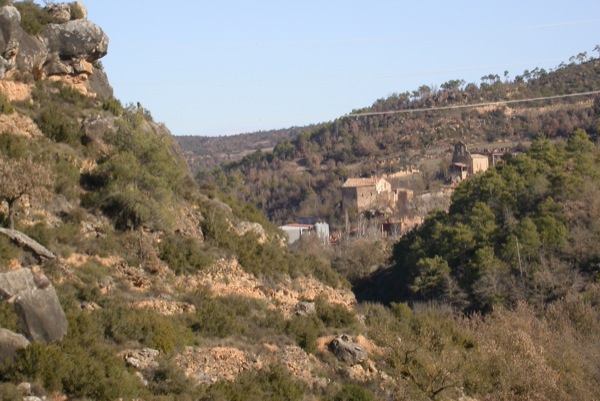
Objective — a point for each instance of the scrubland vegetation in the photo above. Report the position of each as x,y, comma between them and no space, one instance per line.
497,299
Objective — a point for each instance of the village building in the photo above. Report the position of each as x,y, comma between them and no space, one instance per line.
374,195
465,164
363,194
296,231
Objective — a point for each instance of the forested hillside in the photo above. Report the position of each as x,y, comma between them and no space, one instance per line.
206,152
524,231
302,176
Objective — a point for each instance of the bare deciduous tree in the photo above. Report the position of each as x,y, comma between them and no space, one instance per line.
19,178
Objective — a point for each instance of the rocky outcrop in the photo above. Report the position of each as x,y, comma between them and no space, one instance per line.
144,359
41,317
65,50
216,364
72,46
28,242
165,307
19,125
9,344
227,277
348,351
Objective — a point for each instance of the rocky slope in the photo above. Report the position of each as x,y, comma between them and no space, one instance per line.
146,277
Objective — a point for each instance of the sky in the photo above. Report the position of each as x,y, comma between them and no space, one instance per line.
227,67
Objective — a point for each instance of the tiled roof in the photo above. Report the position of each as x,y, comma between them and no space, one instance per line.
359,182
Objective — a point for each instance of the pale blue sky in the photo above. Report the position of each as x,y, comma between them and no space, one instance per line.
228,67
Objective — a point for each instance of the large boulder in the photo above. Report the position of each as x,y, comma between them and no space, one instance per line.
348,351
10,343
18,50
41,317
65,50
76,40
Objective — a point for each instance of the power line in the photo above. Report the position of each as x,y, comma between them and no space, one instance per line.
465,106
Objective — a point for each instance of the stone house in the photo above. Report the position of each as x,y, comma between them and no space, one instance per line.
363,194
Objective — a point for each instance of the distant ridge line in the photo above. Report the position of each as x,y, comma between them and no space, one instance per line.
465,106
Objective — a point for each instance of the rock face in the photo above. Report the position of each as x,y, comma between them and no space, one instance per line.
9,344
41,317
65,50
348,351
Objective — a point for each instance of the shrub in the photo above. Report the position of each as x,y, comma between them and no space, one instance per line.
169,380
220,317
80,365
165,333
184,255
76,11
354,392
8,250
9,391
13,146
113,106
274,384
305,330
8,317
67,179
33,17
56,125
334,315
5,106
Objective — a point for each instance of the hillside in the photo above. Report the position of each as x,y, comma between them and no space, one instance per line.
122,278
302,176
206,152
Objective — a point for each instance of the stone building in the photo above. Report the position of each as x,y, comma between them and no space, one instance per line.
465,164
363,194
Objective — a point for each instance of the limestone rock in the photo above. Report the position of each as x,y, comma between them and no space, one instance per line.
60,13
306,308
165,307
36,304
76,40
64,12
348,351
28,242
98,84
9,344
65,50
17,48
245,227
141,359
216,364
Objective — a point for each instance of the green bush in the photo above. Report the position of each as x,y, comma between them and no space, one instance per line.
67,179
5,105
168,380
8,250
165,333
9,391
113,106
220,317
33,17
274,384
354,392
81,365
305,330
56,125
8,317
184,255
13,146
76,11
334,315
